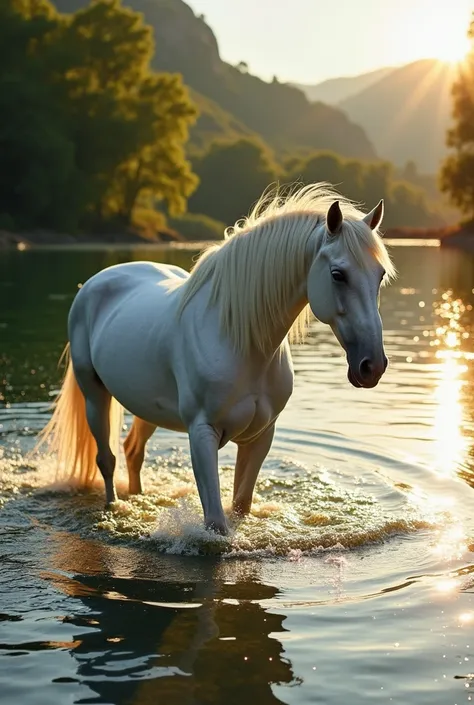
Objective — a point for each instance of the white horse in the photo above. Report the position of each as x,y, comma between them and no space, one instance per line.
208,352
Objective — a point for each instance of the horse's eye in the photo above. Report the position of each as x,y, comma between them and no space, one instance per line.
338,276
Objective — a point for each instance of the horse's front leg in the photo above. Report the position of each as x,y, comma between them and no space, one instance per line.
250,459
204,444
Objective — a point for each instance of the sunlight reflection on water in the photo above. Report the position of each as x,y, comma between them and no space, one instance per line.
450,441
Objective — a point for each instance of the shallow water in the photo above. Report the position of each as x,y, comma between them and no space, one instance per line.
351,581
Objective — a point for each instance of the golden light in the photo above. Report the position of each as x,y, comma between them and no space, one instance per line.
447,585
443,36
456,51
450,443
452,544
445,30
448,422
451,339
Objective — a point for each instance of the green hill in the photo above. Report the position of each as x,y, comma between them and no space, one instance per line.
279,113
213,123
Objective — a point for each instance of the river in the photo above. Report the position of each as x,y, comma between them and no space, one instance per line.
351,581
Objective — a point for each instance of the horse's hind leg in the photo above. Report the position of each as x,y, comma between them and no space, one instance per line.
134,447
98,412
98,402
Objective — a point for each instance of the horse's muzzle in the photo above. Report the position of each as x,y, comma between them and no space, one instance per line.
368,374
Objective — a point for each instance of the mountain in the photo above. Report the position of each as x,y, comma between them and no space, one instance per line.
278,113
214,123
334,90
406,113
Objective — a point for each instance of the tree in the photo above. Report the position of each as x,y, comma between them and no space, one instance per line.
132,140
410,171
407,206
86,129
321,166
37,167
232,176
157,169
457,172
366,183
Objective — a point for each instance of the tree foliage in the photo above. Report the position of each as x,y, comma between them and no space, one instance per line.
457,173
232,176
87,131
193,226
366,183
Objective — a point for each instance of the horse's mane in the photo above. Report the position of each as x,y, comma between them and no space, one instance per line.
263,259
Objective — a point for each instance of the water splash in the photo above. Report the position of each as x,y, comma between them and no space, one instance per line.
297,510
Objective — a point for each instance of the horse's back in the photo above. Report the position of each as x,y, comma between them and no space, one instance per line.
112,286
134,274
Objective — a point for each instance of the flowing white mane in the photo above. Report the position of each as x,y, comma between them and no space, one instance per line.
257,268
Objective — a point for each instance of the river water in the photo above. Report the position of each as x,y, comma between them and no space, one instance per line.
352,579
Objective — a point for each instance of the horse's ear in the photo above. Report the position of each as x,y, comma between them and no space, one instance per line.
334,218
374,218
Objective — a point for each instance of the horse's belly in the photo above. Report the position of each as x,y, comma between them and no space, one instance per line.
163,415
150,405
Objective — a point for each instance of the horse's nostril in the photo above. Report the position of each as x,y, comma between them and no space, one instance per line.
366,368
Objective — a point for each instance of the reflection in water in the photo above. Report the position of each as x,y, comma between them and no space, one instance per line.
452,544
195,632
448,422
447,585
452,334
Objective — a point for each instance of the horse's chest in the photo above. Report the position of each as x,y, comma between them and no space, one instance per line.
263,415
240,398
253,413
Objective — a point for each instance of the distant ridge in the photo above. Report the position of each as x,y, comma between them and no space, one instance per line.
407,113
335,90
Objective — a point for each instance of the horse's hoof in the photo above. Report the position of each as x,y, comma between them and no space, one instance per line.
218,527
240,511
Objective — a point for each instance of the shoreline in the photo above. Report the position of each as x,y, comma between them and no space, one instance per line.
457,237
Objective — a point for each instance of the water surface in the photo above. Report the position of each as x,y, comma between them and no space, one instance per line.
351,581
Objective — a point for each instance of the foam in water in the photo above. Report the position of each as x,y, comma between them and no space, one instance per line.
296,510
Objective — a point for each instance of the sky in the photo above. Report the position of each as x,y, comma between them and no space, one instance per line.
308,41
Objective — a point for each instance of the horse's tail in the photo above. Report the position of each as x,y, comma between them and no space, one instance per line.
68,435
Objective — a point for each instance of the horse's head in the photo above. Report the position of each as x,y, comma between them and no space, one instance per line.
343,290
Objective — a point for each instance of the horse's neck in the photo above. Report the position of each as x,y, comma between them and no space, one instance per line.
262,287
300,298
288,319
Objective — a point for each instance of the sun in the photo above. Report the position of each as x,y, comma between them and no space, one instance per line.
454,50
445,28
